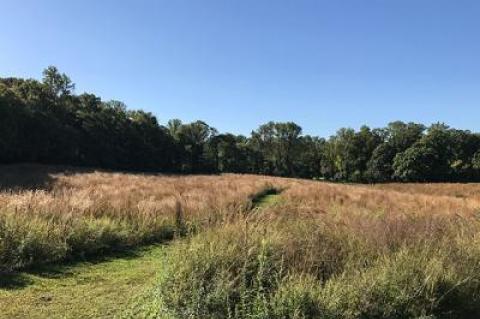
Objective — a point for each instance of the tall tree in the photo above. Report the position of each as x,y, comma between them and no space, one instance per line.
45,122
397,137
194,137
58,84
279,143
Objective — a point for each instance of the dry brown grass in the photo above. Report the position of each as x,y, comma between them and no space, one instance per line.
90,212
114,194
400,199
458,190
382,217
323,250
336,251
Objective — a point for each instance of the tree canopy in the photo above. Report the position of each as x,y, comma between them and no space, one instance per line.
46,122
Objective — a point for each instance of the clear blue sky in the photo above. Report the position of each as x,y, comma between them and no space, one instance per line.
237,64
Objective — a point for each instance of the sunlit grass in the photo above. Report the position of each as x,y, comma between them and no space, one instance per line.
242,250
332,251
90,213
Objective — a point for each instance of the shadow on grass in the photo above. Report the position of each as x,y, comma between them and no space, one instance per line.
12,281
21,279
259,199
26,176
34,176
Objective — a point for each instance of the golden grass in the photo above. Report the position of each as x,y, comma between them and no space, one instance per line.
91,212
323,250
115,194
458,190
391,198
335,251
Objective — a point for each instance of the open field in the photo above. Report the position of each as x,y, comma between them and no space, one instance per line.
239,160
244,246
89,213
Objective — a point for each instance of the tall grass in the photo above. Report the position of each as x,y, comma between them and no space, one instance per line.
332,251
323,251
83,214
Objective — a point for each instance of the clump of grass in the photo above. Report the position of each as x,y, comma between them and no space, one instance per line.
25,241
228,273
221,278
410,283
239,269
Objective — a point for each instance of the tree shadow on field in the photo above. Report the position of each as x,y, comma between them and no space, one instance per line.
18,177
21,279
32,176
12,281
262,198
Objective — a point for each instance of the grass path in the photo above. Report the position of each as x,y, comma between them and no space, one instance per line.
95,289
268,200
150,305
101,289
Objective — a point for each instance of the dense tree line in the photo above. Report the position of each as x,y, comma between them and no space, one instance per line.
45,122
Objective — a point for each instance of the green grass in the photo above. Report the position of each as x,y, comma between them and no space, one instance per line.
268,200
256,271
96,289
268,197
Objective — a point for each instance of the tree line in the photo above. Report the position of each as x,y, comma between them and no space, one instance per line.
45,122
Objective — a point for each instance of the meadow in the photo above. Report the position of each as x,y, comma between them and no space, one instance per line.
49,215
250,246
333,251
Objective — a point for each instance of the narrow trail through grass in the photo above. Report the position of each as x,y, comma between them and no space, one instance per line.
93,289
100,289
267,198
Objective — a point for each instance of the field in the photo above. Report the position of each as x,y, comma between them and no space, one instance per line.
234,246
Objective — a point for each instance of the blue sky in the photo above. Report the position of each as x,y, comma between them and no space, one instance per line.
237,64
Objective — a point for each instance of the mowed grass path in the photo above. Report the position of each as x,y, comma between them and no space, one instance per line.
100,289
95,289
268,200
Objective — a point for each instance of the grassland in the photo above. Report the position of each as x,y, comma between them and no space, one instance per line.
76,215
314,250
334,251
